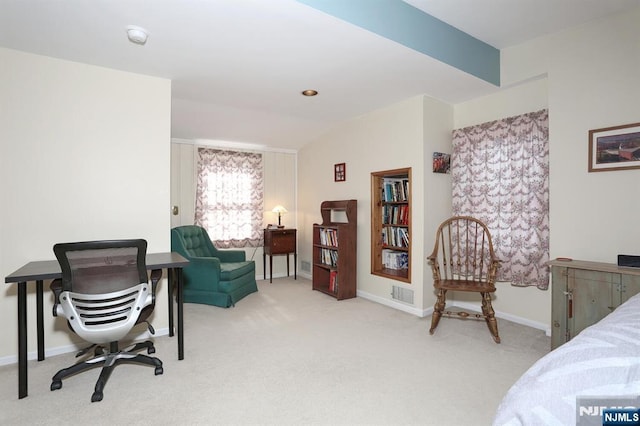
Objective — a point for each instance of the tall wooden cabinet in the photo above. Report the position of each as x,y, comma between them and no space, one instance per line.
335,249
391,224
585,292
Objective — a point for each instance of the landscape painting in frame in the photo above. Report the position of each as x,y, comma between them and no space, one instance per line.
614,148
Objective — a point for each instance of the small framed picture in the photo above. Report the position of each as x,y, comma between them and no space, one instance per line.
614,148
340,172
441,162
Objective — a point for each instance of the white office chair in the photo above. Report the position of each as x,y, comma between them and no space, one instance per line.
104,292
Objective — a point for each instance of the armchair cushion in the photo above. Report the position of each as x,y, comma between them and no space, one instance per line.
232,270
214,277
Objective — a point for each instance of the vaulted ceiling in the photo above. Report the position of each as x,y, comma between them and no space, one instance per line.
238,66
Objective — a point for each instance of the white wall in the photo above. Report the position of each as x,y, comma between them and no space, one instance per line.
84,154
518,99
183,183
593,83
279,170
437,123
398,136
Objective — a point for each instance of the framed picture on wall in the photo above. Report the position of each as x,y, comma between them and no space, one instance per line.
340,172
441,162
614,148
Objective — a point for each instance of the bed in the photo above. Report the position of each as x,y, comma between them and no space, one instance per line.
602,361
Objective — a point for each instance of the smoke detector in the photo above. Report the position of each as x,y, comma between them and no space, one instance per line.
136,34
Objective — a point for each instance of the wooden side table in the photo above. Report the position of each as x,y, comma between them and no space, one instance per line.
277,242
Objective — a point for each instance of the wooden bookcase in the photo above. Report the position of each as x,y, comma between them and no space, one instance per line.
334,249
391,224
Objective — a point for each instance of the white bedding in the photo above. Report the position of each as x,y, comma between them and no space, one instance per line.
603,360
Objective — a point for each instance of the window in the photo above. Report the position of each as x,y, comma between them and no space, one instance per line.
500,175
229,197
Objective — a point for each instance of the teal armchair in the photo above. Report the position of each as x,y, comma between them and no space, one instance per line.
213,277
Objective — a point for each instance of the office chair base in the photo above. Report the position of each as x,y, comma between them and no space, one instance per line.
109,361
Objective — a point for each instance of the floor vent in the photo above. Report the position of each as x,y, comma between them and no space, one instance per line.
305,266
402,294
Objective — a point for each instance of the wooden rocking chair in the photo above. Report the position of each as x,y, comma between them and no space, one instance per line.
463,260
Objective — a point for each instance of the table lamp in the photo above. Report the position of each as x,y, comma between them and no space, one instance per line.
280,210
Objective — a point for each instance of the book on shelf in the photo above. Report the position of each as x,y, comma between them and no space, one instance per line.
333,281
392,259
328,237
395,190
329,257
395,236
395,214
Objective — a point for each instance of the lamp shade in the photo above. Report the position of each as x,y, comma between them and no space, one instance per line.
280,210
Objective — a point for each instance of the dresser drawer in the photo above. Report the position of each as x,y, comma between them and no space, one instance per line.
280,241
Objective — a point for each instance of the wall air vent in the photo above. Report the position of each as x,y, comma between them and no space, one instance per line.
402,294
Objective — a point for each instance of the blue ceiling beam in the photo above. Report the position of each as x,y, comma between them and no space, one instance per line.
411,27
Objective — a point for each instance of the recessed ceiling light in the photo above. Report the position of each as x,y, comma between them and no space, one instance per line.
309,92
136,34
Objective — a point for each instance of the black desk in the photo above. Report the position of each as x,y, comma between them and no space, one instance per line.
50,269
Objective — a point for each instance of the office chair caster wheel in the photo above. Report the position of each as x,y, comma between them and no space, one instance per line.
55,385
151,350
97,396
159,371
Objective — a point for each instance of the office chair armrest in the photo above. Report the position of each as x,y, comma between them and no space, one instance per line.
156,276
56,288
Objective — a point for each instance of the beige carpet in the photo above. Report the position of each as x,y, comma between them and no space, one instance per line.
288,355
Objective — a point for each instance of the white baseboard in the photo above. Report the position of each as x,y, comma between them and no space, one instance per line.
13,359
260,277
306,275
450,303
509,317
462,305
401,306
395,304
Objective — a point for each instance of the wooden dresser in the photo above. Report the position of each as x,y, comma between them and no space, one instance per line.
585,292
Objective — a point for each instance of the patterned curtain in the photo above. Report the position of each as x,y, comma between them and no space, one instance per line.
500,174
229,197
